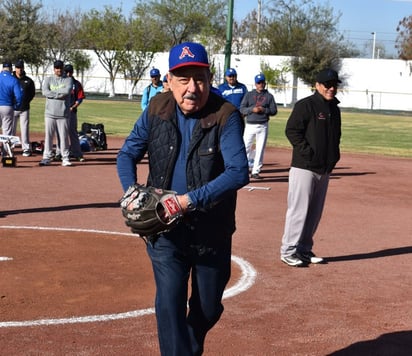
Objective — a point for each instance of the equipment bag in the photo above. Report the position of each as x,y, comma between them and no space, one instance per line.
96,133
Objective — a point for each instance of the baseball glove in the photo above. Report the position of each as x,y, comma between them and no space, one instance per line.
150,211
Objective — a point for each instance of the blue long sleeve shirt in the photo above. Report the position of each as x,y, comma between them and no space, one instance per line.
232,147
10,90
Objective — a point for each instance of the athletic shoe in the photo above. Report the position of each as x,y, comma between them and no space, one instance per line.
44,162
309,257
66,163
256,176
57,157
293,260
80,159
26,153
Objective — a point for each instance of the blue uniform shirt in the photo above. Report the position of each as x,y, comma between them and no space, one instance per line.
10,90
233,94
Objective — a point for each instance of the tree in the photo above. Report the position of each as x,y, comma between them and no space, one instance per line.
21,24
106,34
307,32
145,39
186,20
61,35
404,39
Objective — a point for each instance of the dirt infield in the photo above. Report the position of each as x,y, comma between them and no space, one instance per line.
73,281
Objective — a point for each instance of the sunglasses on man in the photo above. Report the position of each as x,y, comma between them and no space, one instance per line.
330,84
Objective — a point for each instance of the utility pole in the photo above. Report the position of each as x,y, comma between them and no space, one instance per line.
229,30
373,44
259,18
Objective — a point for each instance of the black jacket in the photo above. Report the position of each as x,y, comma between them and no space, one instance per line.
28,91
314,130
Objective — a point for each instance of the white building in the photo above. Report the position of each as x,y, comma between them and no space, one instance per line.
379,84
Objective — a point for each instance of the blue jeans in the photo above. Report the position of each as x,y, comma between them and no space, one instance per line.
174,260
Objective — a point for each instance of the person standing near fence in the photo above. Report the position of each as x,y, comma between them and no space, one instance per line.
76,98
232,90
314,130
10,98
22,112
156,86
56,89
257,106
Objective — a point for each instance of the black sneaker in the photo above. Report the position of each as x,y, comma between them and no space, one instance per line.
292,260
256,176
309,257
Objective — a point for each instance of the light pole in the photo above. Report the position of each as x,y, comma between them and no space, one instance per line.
259,18
373,44
229,28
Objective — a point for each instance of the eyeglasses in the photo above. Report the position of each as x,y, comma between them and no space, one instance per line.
261,82
329,85
231,76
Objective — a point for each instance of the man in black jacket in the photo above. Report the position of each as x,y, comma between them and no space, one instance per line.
23,111
314,130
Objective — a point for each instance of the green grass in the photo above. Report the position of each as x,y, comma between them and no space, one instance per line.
363,132
380,133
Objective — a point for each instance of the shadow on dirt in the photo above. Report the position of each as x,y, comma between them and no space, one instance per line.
59,208
393,344
368,255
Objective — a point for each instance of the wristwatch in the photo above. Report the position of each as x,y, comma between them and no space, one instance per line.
190,205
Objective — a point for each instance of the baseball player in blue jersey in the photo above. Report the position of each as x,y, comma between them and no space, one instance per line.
193,138
156,86
231,89
10,98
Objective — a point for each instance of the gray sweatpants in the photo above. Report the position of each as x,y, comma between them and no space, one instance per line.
7,120
59,127
24,118
306,199
74,143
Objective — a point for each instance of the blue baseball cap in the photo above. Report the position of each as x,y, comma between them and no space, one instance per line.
188,54
230,71
260,78
154,72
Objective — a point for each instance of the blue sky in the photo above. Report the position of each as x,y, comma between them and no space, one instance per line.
359,17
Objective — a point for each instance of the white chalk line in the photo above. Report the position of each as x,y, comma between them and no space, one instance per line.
246,280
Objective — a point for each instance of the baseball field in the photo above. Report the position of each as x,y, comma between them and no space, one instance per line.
74,281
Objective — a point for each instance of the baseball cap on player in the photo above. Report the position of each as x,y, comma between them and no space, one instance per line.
19,64
7,64
260,78
230,71
68,68
154,73
188,54
58,64
327,75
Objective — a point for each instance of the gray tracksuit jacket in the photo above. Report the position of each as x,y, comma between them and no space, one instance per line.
57,92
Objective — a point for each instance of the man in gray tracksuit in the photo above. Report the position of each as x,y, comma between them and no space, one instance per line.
57,90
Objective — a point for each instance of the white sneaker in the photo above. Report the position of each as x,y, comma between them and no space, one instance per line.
309,257
66,163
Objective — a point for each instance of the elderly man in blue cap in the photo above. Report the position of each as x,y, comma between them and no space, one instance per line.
193,138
